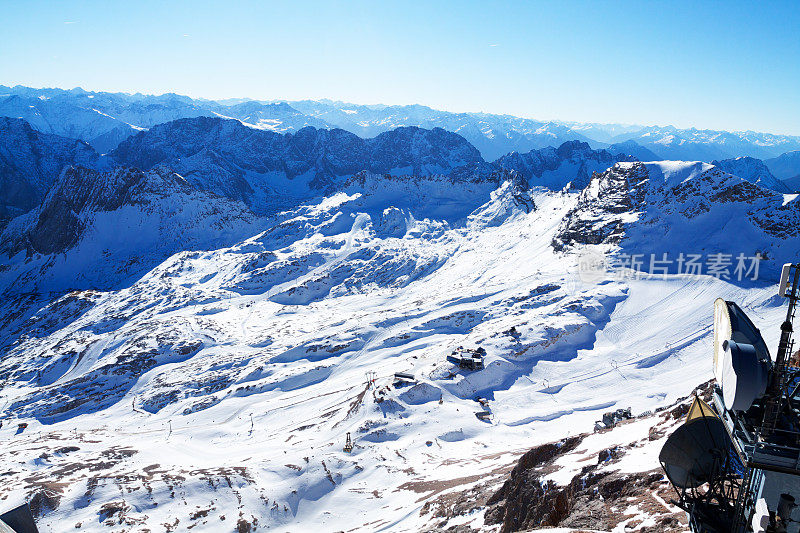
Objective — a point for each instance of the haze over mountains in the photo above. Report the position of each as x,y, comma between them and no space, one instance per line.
105,119
195,297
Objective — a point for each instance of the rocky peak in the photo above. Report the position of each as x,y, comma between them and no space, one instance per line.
570,149
572,164
246,164
674,207
29,163
753,170
58,223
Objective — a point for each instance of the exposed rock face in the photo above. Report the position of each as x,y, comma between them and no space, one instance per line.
524,502
30,161
236,161
62,217
752,170
673,207
96,228
604,207
571,163
521,503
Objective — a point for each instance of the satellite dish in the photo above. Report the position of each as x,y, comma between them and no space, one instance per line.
695,452
731,323
722,332
744,376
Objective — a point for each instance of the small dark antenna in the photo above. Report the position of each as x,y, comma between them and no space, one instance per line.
348,445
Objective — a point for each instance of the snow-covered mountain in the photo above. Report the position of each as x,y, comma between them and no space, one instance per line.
693,144
216,385
493,135
572,163
30,161
104,119
91,116
183,363
752,170
684,207
785,166
97,229
266,169
279,116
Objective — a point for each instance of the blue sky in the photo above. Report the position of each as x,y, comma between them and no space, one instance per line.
719,65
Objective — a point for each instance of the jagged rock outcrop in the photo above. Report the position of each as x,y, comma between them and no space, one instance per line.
681,207
571,164
752,170
246,164
610,200
593,499
79,193
30,161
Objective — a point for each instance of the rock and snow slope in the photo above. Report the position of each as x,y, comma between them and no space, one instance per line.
29,163
215,389
99,229
266,169
674,207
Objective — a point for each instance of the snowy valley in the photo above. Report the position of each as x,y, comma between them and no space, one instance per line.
195,321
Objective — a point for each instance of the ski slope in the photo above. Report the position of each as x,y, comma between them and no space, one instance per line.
216,392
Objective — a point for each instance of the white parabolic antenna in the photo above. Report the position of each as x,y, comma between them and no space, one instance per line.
731,323
744,376
722,333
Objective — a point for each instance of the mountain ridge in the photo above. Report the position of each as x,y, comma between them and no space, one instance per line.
92,115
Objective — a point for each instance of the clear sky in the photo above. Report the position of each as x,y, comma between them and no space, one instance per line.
719,65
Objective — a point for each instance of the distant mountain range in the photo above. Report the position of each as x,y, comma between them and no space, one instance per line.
269,171
106,119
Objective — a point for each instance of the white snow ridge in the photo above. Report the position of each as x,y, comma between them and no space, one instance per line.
184,364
